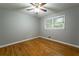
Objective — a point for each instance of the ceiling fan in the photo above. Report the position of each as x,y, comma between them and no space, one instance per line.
37,7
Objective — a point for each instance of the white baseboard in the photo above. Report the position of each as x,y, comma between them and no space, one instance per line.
5,45
73,45
38,37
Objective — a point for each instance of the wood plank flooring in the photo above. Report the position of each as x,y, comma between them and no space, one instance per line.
39,47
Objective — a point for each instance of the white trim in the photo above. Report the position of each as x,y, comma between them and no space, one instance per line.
5,45
73,45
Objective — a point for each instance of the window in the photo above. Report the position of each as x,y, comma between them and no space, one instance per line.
55,23
48,24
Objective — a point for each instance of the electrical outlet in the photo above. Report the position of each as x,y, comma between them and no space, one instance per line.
49,36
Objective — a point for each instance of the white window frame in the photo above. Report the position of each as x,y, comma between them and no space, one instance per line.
52,21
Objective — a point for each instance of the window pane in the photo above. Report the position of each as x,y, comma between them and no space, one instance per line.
59,22
48,24
55,23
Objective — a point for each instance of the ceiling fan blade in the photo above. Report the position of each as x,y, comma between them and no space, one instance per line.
42,4
29,9
32,4
44,10
49,8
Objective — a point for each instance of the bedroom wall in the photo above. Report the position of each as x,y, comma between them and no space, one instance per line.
70,33
16,26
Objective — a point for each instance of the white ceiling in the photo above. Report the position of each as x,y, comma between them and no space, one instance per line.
51,7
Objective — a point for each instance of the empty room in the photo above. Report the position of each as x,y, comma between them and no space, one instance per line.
39,29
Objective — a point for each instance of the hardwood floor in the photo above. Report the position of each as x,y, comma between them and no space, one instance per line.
39,47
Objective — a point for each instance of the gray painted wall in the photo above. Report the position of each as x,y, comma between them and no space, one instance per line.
16,26
70,33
